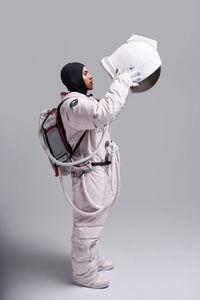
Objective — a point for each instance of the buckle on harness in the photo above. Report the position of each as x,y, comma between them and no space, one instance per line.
78,170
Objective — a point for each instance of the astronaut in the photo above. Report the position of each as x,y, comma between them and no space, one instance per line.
83,112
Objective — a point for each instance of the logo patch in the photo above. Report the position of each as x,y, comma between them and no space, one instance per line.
74,103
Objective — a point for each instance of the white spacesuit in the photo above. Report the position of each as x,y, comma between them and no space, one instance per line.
91,114
81,112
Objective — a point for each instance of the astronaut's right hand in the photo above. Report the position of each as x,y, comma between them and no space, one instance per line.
133,74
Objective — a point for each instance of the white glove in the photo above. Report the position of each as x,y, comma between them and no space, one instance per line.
133,73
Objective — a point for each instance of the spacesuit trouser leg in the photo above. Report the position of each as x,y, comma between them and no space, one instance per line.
86,256
99,257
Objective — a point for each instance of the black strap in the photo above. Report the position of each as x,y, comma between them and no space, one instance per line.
101,163
78,143
64,132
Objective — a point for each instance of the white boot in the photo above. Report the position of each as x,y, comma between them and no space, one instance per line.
108,265
99,283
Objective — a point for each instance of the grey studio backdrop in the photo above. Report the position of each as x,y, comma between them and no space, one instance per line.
152,232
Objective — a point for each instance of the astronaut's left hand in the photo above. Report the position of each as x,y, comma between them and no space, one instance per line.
133,74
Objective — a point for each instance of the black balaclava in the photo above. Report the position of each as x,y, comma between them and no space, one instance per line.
71,76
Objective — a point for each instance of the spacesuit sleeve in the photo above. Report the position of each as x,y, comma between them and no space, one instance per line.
113,101
93,114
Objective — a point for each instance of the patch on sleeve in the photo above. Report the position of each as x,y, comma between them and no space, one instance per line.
74,103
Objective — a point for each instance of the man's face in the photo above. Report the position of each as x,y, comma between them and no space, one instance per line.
87,78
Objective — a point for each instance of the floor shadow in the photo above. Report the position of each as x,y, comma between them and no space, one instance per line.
38,265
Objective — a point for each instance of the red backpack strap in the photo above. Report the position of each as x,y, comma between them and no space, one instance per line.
63,94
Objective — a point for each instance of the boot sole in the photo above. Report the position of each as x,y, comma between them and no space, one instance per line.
93,286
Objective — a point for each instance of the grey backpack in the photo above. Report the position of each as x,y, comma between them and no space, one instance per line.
55,140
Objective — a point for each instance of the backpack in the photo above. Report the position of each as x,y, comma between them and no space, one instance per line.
55,141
